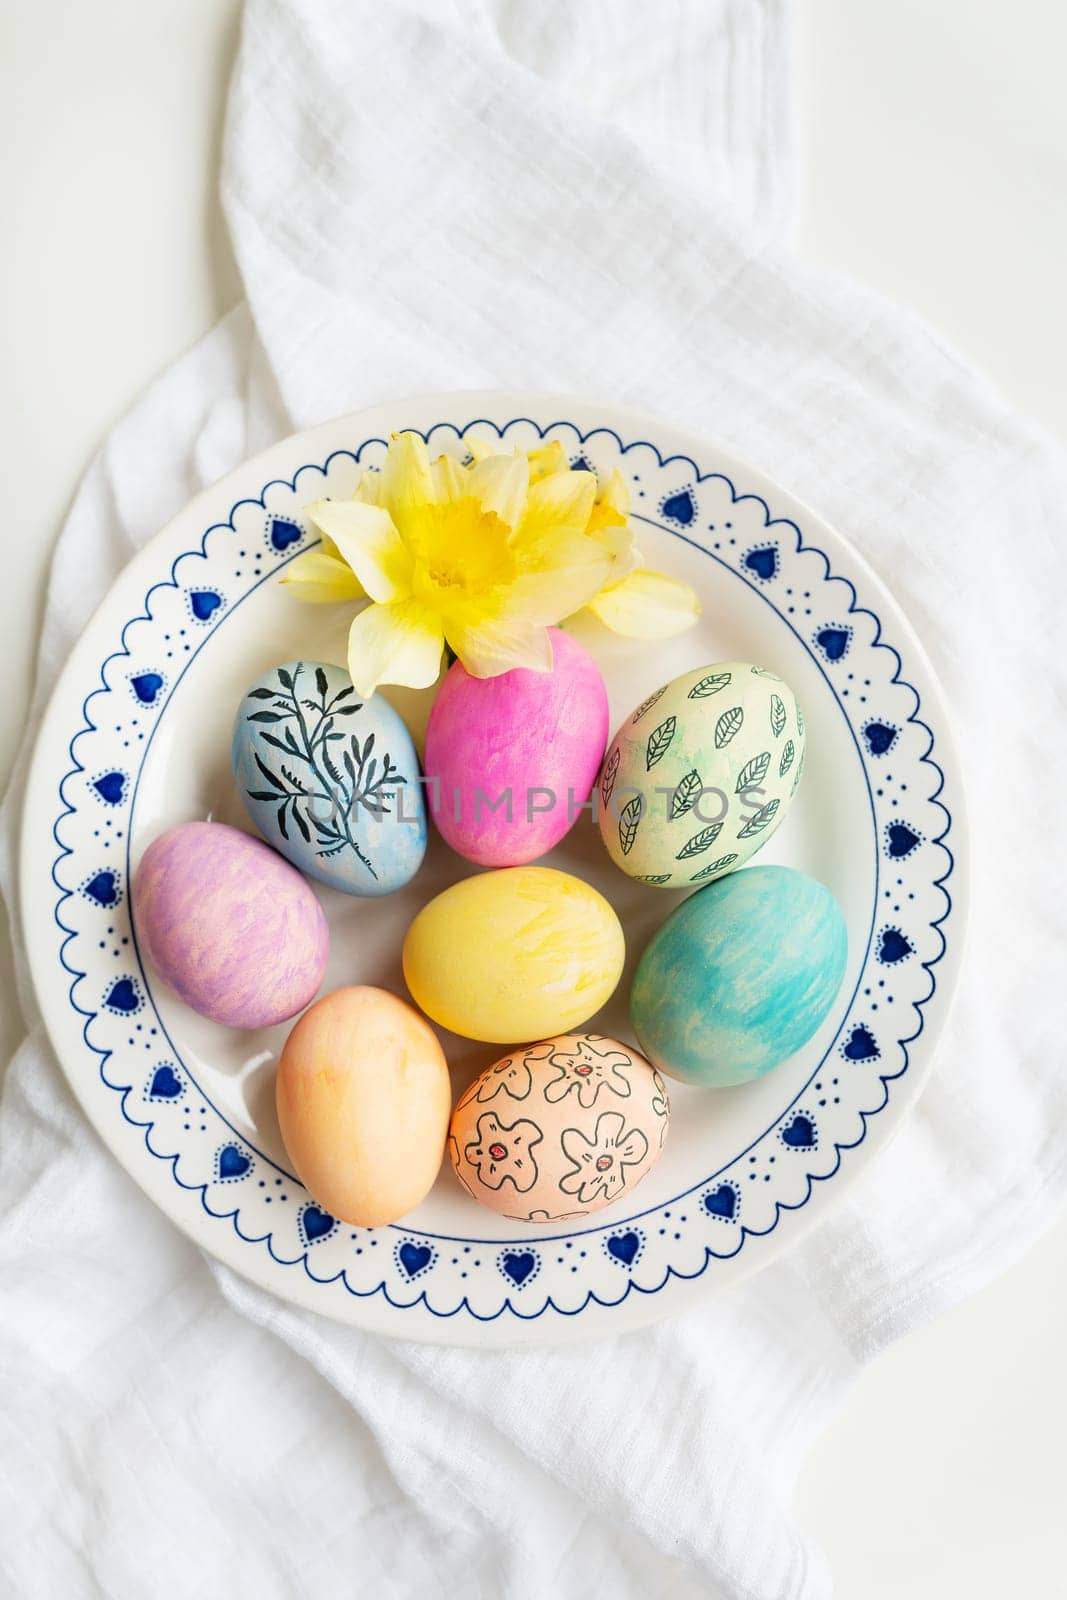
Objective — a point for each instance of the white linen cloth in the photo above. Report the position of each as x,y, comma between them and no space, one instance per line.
593,199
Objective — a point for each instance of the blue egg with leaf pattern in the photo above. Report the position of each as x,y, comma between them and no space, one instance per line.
331,780
740,976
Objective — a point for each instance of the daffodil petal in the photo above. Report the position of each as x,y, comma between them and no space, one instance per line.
500,483
547,458
369,488
647,605
322,579
617,540
604,520
367,539
615,494
548,596
478,447
489,648
560,502
399,643
451,481
405,483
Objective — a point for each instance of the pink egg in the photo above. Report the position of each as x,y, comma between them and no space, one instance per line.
512,759
232,928
558,1129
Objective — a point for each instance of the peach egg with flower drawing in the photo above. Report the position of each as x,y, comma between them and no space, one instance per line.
558,1129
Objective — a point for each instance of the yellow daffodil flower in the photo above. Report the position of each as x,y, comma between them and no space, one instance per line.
485,557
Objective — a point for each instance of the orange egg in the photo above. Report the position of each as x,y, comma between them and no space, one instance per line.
363,1097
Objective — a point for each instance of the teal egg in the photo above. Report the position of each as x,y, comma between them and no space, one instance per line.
331,780
739,976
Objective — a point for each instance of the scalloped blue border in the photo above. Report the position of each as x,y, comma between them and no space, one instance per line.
744,1231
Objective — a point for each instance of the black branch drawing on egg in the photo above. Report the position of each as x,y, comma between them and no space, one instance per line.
305,730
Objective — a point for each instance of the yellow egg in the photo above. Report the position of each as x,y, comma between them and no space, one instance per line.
363,1100
523,953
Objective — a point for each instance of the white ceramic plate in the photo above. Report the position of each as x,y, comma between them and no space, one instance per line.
137,738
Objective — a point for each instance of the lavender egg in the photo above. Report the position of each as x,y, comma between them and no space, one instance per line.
232,928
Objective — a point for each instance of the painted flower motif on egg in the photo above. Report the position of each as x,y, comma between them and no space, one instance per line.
559,1129
330,780
599,1163
701,774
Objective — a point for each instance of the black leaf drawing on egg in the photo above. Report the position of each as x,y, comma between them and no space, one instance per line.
659,742
709,685
716,866
610,773
628,821
685,794
753,772
759,821
727,726
700,842
646,705
777,715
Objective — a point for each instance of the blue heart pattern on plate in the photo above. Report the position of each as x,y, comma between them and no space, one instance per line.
282,533
315,1224
231,1164
800,1133
624,1247
900,840
861,1045
146,687
164,1084
111,787
763,561
893,947
519,1266
833,641
103,888
123,998
414,1259
722,1202
203,603
880,737
680,507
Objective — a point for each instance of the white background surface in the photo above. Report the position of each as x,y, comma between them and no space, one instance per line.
935,168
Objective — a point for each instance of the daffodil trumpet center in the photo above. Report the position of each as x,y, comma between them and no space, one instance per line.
462,553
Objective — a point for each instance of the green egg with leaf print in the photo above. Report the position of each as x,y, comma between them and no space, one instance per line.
700,774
